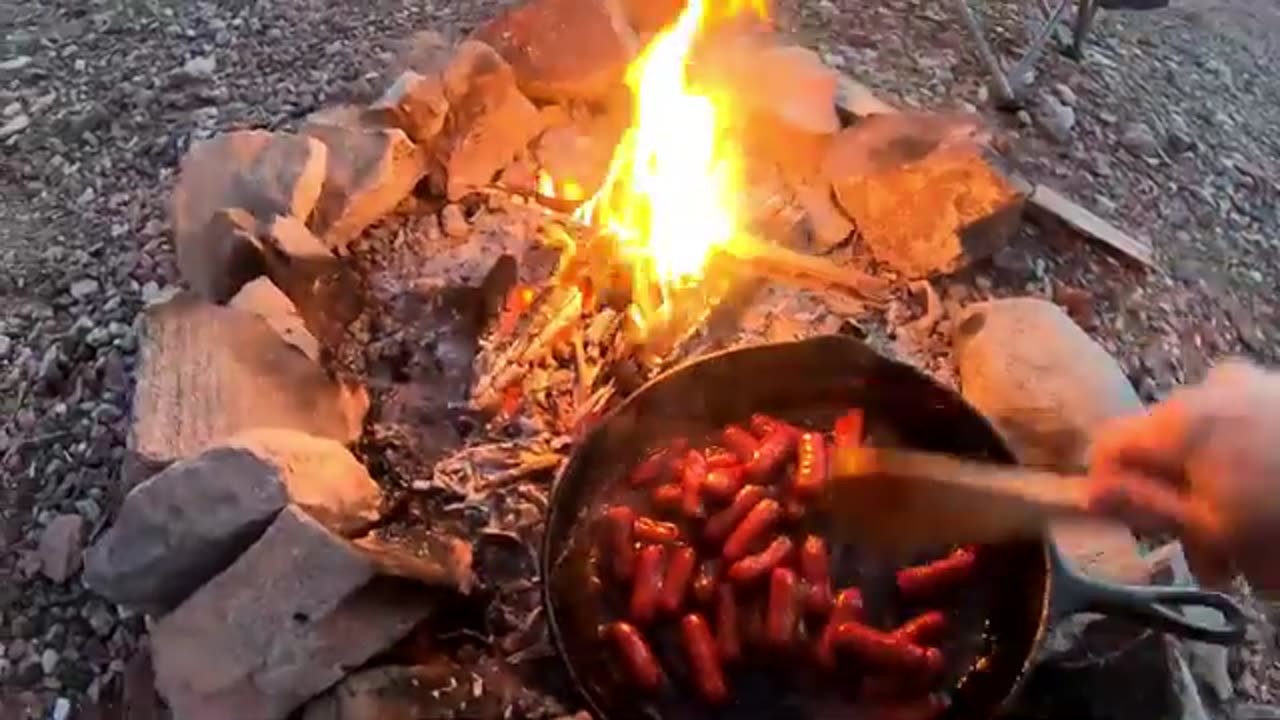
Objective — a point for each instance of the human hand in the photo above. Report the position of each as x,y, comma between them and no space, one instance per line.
1204,464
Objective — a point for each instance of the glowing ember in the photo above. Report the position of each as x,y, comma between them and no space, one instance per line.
671,195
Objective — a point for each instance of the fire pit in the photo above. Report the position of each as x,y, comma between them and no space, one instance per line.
455,282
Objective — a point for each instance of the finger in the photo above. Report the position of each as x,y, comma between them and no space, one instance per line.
1152,506
1155,443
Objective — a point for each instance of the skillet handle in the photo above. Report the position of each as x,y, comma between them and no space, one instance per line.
1157,608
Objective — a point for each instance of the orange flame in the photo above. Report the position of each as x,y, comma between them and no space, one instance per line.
671,196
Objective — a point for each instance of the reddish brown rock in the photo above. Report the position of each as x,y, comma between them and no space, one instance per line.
263,174
564,49
577,154
925,197
262,298
289,618
489,121
208,372
370,170
648,16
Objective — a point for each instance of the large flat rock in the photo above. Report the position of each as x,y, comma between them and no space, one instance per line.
289,618
208,372
189,522
926,196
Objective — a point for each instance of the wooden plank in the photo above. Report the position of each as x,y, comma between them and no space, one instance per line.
1083,221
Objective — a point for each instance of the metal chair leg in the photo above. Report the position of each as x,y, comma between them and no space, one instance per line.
1085,12
1000,87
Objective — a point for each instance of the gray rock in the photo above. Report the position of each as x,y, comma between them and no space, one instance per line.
199,68
1045,385
262,298
49,661
1066,94
15,125
84,289
285,621
369,171
1057,119
414,103
491,121
453,221
1178,134
208,372
1139,140
60,544
264,175
188,523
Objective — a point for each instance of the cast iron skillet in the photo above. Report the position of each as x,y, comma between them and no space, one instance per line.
1023,587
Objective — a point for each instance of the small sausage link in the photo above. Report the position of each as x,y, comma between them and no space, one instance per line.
705,582
783,614
619,541
740,442
728,639
773,453
648,583
755,567
693,475
648,530
846,608
811,466
926,581
848,429
718,457
724,482
764,425
667,497
676,582
760,521
923,629
883,651
640,662
815,568
658,466
704,660
721,524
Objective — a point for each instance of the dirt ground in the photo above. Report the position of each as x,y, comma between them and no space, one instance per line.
1171,130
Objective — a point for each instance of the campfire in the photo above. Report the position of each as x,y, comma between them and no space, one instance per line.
431,280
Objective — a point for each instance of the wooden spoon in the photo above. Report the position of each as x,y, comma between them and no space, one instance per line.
909,498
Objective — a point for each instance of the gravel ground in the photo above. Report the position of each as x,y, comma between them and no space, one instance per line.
1170,127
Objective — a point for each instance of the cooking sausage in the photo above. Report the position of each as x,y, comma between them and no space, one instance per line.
667,497
848,429
815,568
693,475
724,482
811,466
658,466
648,530
764,425
923,629
883,651
619,541
754,567
780,623
847,607
728,639
648,583
676,582
641,664
926,581
773,452
759,520
720,525
739,441
705,582
704,660
718,457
